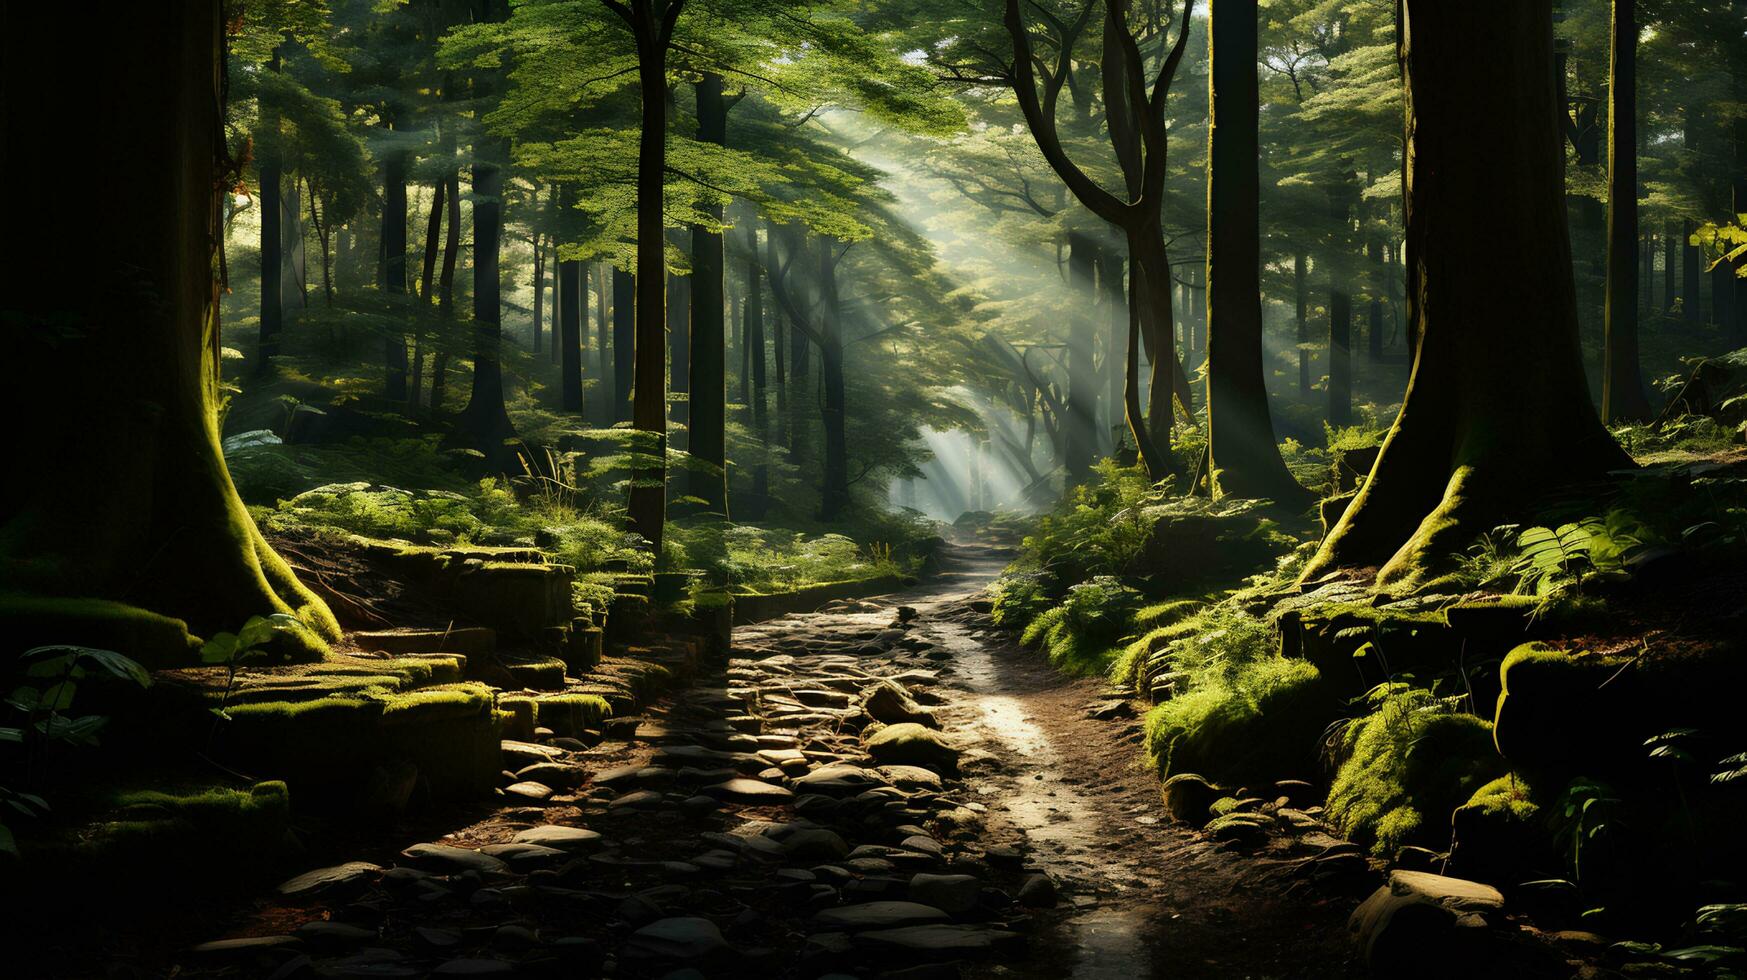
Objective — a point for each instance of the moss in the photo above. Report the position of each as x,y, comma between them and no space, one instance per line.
567,714
1409,765
1261,727
152,639
1081,634
1504,797
1547,704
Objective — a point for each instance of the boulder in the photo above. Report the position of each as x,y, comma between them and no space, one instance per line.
339,878
1424,924
954,894
910,744
454,859
889,703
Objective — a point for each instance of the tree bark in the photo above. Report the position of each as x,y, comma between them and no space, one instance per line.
147,549
709,369
1478,442
394,267
754,312
1340,358
484,424
1622,382
834,500
569,338
624,342
272,291
1082,437
1244,460
1301,295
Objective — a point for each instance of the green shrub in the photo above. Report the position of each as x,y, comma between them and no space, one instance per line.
1081,634
1019,598
1409,765
1260,727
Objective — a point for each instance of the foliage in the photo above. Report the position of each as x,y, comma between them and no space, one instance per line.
48,679
1081,634
1258,727
1408,764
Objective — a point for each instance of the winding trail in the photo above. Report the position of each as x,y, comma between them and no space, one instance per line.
739,828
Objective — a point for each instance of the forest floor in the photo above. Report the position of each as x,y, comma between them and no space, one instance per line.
701,839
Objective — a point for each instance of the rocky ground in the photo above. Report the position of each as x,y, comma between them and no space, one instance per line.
880,788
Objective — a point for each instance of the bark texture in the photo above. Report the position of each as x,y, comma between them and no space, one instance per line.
138,550
1476,443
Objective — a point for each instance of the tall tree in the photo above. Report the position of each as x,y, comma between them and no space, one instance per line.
1622,382
272,234
1476,443
1244,459
139,550
709,382
569,339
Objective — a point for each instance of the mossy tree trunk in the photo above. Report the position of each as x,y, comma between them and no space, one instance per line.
1622,382
1477,443
130,507
272,233
1244,459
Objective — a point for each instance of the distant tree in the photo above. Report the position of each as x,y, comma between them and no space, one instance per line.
1622,382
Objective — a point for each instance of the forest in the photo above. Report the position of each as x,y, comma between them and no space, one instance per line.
917,489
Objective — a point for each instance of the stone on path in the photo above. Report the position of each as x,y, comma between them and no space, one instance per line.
754,792
1422,922
336,878
890,703
519,753
529,790
955,894
1038,892
455,858
879,915
938,940
555,835
913,745
678,938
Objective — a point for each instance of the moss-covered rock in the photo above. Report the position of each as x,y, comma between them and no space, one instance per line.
910,744
1408,767
1500,834
1262,727
1189,798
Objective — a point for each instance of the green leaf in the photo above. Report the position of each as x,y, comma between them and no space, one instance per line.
220,649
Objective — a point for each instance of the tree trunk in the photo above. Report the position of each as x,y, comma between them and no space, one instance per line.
394,267
1340,358
834,500
1497,411
433,228
624,342
679,342
1244,460
540,284
1622,383
603,333
1081,423
1670,259
1115,344
709,369
484,424
569,338
760,397
648,504
1691,266
148,549
1301,295
272,288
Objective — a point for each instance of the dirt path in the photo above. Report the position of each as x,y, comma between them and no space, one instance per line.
742,829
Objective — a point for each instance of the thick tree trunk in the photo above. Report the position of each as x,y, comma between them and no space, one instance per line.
484,424
1150,302
1081,422
1622,383
141,550
624,342
1244,460
569,339
648,504
708,443
1476,442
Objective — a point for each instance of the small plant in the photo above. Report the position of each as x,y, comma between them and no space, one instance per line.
251,643
52,675
1589,821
